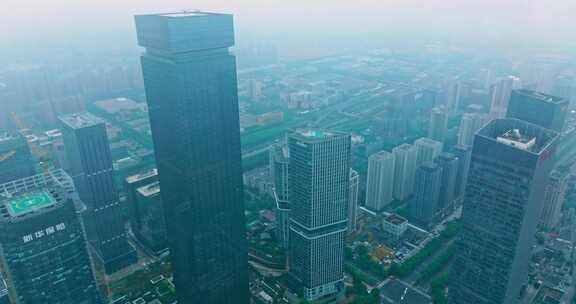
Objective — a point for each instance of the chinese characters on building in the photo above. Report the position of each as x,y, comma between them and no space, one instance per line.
43,232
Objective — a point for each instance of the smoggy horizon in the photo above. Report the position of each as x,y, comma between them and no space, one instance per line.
108,25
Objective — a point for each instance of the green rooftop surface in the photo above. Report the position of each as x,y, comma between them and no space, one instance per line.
30,202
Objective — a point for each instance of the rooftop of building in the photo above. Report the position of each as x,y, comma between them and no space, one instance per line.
427,141
396,291
80,120
29,202
142,175
179,33
519,134
446,156
395,219
316,134
381,155
29,195
548,295
184,14
403,147
541,96
439,110
460,147
428,165
150,189
517,139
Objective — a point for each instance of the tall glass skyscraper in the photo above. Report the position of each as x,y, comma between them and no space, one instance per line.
538,108
90,165
424,205
449,164
511,162
464,153
319,194
191,90
43,252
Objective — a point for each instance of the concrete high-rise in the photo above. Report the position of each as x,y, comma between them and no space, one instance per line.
428,149
43,251
469,125
192,95
555,193
424,207
353,201
449,164
279,159
538,108
151,230
405,165
500,93
16,160
438,124
131,185
565,87
89,163
454,95
464,154
380,181
511,163
319,194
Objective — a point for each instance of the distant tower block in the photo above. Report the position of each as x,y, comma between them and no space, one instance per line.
319,195
509,170
538,108
90,165
42,244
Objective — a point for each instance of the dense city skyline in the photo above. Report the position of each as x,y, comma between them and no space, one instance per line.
273,152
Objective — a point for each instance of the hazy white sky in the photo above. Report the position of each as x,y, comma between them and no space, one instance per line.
26,22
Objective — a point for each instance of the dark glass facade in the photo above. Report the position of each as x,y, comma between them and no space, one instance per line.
131,185
449,164
191,90
90,165
538,108
15,158
319,186
464,153
279,159
424,205
511,162
44,256
152,229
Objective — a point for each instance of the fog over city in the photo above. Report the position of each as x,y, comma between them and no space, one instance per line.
29,26
287,152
